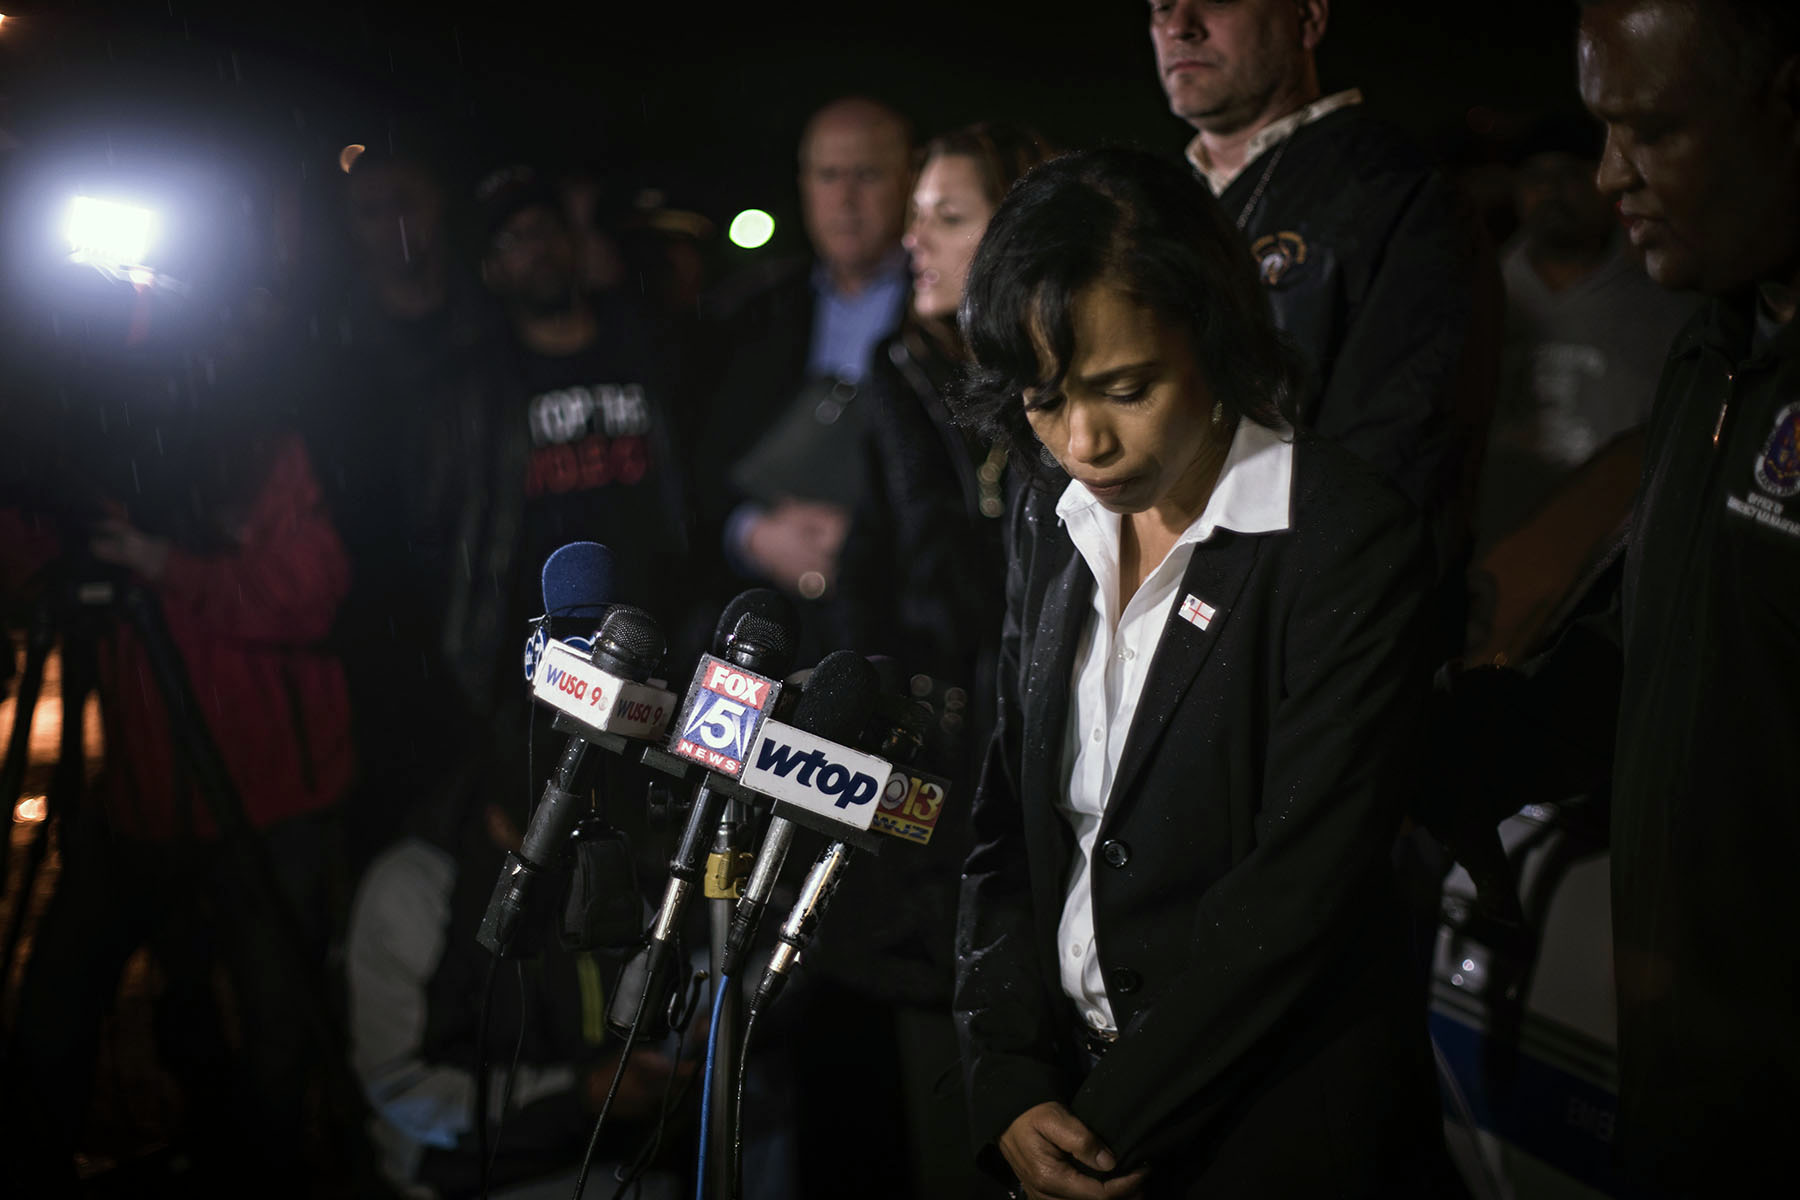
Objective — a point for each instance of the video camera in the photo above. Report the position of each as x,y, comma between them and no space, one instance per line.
136,308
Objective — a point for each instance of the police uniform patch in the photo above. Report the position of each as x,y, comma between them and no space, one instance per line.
1777,469
1276,254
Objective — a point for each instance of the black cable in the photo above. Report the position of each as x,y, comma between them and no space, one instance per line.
631,1036
671,1100
512,1071
737,1107
481,1089
531,747
489,1156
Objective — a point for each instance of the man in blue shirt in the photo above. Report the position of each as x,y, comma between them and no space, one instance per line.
779,453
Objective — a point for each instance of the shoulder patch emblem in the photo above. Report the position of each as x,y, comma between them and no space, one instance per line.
1777,469
1276,254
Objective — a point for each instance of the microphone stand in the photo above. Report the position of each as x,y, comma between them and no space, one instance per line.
726,868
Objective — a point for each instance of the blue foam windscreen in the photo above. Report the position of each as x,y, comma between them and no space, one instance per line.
578,581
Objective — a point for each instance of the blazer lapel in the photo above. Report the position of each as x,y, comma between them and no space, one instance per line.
1214,580
1068,591
1067,596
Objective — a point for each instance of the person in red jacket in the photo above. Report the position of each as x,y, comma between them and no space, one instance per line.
248,580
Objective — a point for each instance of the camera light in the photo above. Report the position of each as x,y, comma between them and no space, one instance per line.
751,228
107,232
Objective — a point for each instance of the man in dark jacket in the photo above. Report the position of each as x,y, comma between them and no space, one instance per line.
780,467
778,457
1372,265
422,472
593,390
1699,652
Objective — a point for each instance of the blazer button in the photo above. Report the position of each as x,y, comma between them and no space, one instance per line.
1123,980
1116,854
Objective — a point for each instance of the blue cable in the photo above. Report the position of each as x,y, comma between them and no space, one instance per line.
712,1045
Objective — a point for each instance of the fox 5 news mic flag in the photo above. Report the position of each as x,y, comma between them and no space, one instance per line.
727,702
724,712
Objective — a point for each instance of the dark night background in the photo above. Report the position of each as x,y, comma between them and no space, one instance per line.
208,110
703,101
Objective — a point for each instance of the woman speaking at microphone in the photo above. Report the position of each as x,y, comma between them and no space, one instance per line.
1182,967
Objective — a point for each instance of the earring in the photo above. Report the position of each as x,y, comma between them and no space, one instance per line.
1218,413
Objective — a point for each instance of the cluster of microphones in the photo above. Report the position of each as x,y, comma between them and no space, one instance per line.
827,748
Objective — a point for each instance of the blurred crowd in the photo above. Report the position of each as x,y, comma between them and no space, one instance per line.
317,495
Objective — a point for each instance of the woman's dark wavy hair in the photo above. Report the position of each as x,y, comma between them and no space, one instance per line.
1151,227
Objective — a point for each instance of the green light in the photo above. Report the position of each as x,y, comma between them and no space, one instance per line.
751,228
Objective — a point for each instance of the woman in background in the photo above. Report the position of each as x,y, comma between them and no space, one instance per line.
922,573
920,581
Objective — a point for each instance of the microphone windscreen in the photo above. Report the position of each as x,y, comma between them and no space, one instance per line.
629,643
766,603
839,698
578,581
765,646
894,678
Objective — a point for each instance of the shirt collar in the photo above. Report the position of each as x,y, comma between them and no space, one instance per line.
1254,492
891,273
1268,137
1726,325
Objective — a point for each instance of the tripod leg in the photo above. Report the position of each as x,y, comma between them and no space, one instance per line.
41,637
15,923
38,639
287,944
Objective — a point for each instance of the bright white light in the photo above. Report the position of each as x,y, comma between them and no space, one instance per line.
105,231
31,809
751,228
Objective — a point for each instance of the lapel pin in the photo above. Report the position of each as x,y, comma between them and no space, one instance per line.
1196,611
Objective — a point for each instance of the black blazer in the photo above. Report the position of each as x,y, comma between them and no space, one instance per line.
759,330
1271,1040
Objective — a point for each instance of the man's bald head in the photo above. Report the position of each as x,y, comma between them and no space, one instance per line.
857,114
855,173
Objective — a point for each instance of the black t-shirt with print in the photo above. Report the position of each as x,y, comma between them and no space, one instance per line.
601,465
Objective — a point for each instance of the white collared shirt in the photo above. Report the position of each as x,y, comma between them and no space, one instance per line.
1112,660
1275,132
